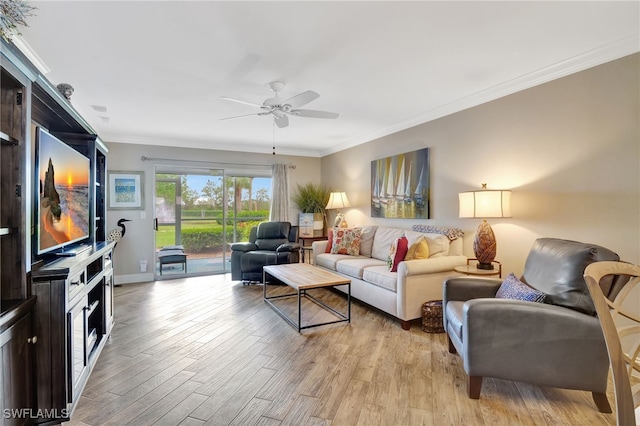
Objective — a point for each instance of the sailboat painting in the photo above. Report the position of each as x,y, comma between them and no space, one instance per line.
400,186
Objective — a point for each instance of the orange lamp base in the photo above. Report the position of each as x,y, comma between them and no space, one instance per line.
484,246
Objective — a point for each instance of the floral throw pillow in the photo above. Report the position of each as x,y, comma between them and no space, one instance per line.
397,252
346,241
513,288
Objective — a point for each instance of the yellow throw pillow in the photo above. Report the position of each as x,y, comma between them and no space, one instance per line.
418,250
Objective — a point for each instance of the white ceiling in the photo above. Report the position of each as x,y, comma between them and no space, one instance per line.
160,67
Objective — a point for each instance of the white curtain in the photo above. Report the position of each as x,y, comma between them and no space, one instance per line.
280,193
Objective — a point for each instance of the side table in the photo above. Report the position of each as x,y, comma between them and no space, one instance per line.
472,269
305,245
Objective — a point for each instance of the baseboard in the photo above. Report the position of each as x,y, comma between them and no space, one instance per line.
133,278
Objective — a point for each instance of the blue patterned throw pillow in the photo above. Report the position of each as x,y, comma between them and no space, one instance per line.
513,288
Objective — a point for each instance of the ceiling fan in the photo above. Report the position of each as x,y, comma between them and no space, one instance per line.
281,108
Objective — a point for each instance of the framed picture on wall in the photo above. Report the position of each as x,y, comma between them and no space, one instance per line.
126,190
400,186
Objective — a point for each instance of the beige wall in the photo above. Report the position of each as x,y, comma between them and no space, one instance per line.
138,242
569,150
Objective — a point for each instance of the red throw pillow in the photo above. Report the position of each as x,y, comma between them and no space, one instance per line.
329,240
397,253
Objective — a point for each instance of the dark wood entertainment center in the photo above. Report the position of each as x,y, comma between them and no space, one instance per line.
56,312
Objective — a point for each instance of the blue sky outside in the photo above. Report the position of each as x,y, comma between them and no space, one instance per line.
197,182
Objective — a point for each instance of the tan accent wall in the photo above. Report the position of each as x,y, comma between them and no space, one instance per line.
569,149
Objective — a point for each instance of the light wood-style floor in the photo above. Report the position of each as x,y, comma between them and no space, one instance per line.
208,350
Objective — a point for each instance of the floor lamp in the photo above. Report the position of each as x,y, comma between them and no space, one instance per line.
484,204
338,200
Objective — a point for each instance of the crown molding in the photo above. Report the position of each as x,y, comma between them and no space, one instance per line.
209,145
598,56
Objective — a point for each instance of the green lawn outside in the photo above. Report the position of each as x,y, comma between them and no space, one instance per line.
165,236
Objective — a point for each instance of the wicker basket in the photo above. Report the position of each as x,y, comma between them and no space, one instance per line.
432,317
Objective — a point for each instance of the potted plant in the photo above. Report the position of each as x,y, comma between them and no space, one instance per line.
311,199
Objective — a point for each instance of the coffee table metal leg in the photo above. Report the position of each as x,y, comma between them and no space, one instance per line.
299,310
349,302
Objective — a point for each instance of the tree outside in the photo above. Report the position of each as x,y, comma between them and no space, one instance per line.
204,206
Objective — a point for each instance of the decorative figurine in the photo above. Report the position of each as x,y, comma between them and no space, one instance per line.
65,90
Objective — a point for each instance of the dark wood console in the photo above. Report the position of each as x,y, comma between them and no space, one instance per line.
55,315
73,317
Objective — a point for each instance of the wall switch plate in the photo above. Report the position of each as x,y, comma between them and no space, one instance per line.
143,214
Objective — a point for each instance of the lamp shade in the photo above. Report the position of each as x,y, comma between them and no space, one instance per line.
338,200
485,204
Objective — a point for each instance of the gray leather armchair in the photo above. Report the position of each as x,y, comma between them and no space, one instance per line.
270,243
558,343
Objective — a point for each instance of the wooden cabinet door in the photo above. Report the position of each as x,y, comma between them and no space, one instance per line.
16,368
108,302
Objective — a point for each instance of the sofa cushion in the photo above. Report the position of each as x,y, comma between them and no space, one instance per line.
418,250
413,236
346,241
366,240
382,241
329,261
397,252
253,261
354,266
438,244
454,312
513,288
381,276
556,267
271,234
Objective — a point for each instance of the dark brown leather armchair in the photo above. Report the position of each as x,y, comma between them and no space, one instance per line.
558,343
270,243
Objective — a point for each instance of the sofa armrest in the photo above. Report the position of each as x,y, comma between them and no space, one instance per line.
431,265
245,247
288,247
465,288
533,318
319,247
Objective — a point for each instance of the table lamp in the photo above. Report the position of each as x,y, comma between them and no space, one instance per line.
486,203
338,200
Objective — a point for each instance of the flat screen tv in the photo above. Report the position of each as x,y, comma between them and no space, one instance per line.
63,194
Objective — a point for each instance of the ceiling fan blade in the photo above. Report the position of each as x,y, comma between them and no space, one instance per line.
301,99
240,101
245,115
281,121
313,113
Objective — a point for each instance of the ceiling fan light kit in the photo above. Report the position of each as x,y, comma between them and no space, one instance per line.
279,108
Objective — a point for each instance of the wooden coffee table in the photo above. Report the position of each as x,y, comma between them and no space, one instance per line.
302,277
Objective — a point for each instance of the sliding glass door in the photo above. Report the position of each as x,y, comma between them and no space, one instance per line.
200,212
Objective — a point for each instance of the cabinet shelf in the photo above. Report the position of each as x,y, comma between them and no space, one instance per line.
11,309
8,140
8,231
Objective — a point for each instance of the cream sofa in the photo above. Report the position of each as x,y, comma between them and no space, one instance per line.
401,293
